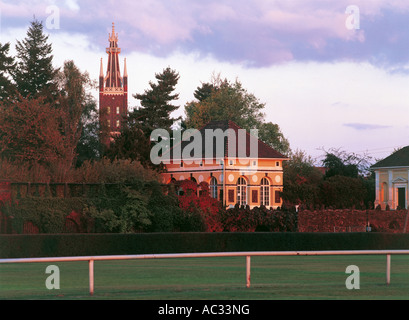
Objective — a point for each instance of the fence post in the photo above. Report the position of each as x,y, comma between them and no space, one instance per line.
91,277
248,271
388,269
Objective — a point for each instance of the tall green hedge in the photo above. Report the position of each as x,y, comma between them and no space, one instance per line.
54,245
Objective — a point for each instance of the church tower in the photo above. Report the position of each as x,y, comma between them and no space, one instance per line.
113,92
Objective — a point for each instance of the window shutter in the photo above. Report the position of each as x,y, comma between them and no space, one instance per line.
277,197
254,196
231,195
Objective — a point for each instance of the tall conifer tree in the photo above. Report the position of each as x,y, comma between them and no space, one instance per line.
156,108
7,65
35,74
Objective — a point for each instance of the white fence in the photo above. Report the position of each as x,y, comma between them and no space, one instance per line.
248,256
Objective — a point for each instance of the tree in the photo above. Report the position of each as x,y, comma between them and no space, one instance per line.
131,144
80,122
205,91
89,146
156,108
271,134
34,75
347,181
336,167
343,192
221,100
224,101
30,132
339,162
7,65
301,181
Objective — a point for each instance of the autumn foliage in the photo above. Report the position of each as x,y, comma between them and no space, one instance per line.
31,131
200,203
195,199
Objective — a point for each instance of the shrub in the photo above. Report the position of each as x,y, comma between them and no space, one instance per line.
201,209
48,214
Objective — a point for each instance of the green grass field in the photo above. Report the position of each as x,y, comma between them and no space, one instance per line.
285,278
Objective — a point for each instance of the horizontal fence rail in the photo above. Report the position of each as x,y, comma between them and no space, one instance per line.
248,256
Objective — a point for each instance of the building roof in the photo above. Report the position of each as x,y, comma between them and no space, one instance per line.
399,158
264,151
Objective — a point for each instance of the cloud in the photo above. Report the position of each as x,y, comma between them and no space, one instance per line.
365,126
256,33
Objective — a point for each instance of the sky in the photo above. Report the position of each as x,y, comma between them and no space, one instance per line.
332,74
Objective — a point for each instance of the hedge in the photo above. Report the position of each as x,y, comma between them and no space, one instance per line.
55,245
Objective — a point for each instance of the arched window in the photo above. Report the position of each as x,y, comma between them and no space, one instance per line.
213,187
265,192
241,191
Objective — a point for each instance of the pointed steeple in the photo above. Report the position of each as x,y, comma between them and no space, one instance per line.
113,78
113,38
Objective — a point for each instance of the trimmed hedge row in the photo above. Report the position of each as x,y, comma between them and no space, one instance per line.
55,245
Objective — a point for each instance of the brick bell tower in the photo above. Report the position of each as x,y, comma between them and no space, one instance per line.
113,92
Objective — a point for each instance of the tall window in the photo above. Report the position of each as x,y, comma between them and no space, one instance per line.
241,191
117,110
213,187
117,123
265,192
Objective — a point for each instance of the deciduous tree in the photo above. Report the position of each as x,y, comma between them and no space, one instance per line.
30,132
224,100
80,122
301,181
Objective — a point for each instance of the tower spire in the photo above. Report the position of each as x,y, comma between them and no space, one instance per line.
113,78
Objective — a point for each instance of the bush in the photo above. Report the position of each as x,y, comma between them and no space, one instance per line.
343,192
48,214
242,219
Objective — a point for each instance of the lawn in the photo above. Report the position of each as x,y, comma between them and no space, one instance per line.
272,278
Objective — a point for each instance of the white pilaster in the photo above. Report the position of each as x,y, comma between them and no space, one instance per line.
377,192
390,190
407,193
